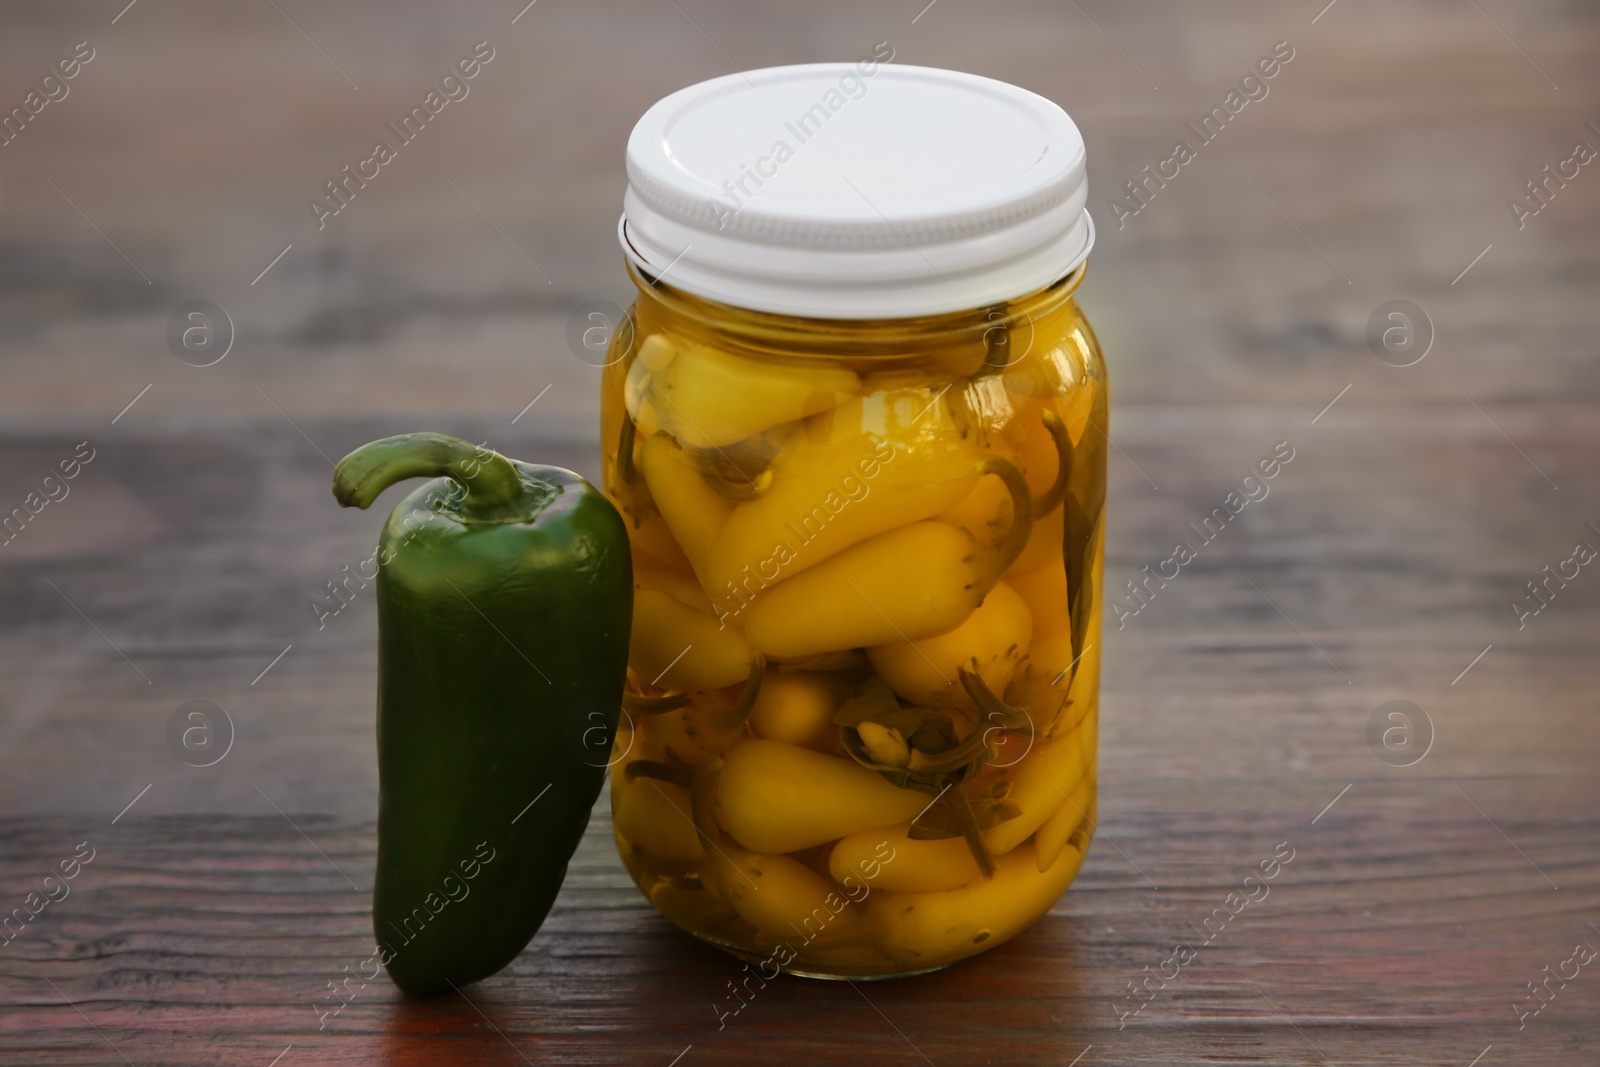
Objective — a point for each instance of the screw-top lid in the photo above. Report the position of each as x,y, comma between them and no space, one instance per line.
856,190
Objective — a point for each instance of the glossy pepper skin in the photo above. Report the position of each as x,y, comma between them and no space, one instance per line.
504,601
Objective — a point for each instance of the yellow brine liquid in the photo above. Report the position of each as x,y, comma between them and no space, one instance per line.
860,732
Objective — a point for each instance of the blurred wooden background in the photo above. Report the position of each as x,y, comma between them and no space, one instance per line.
183,563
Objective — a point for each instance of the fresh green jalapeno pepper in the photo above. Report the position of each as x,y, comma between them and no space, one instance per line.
504,597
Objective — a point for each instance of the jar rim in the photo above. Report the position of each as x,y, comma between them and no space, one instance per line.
888,336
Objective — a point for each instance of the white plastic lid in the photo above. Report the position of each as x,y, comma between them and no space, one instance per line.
856,190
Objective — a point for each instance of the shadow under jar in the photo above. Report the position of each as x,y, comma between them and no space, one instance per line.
867,533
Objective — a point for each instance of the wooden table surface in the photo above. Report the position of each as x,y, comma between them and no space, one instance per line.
220,902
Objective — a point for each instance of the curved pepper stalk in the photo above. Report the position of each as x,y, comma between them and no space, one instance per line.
504,602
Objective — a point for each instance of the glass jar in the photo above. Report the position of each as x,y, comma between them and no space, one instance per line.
859,736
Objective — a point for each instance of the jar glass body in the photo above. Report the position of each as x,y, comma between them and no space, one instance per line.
860,733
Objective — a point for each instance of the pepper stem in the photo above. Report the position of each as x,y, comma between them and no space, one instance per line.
489,479
1016,538
634,704
666,772
733,719
1052,497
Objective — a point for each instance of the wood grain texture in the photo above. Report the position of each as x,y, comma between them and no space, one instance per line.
186,560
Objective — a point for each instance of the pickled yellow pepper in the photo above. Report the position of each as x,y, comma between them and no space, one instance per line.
916,581
990,642
760,781
839,482
708,399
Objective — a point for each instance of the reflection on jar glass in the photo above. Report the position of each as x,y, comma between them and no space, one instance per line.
865,656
